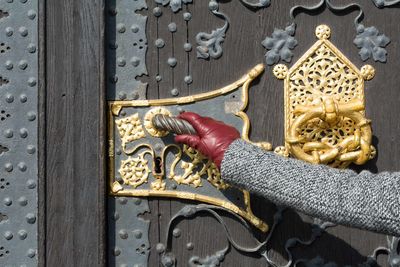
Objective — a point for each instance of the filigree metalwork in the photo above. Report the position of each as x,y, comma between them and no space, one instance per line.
130,129
135,171
371,43
324,106
176,171
190,176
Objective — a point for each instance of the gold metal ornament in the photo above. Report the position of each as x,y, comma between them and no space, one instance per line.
173,171
148,121
325,106
130,129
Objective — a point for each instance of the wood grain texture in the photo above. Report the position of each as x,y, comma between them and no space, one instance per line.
242,50
75,150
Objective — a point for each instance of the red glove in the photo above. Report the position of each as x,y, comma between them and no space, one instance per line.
212,139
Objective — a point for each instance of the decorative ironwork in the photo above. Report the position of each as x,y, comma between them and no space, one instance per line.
186,169
262,249
175,5
280,45
324,106
126,62
385,3
371,43
128,233
209,44
19,133
130,129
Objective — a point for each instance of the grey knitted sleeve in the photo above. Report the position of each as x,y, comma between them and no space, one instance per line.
368,201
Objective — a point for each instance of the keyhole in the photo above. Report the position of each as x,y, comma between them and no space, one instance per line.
158,165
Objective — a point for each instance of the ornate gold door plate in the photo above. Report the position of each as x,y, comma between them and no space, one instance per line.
325,106
145,162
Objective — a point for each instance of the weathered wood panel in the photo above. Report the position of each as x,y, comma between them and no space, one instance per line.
75,141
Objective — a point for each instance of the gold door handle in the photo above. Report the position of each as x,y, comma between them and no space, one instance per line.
324,107
355,148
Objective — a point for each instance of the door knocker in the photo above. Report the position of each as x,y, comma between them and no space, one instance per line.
325,106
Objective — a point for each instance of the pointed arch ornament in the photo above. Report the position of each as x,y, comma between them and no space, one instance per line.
325,106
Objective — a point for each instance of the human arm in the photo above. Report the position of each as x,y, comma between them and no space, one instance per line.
368,201
365,200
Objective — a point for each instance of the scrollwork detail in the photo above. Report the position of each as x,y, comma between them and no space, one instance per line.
369,40
192,177
209,44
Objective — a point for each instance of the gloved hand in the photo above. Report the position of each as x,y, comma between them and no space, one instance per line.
212,139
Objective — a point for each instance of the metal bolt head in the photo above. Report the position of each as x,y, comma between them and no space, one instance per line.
8,235
31,149
187,16
172,27
135,61
7,201
159,43
135,28
32,81
31,184
23,132
9,98
23,98
189,246
121,28
175,92
31,14
157,11
187,47
123,234
160,248
8,167
172,62
8,133
22,234
176,232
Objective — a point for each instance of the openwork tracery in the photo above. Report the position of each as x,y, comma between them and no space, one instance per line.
324,106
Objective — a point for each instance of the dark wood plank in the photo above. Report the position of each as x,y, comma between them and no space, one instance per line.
75,199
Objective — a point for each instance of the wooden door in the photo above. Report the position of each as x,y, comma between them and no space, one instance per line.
178,64
92,52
